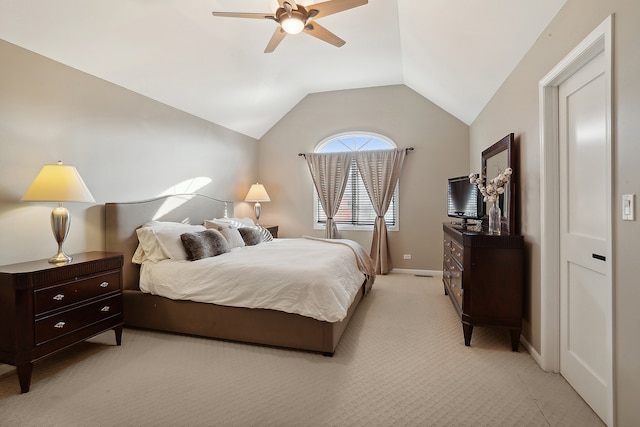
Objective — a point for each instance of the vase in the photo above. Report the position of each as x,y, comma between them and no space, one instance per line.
494,218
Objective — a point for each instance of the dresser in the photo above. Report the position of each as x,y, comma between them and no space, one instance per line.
46,307
483,277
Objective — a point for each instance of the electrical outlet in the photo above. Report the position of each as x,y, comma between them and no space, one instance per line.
406,256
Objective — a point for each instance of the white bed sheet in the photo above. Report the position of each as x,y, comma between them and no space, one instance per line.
307,277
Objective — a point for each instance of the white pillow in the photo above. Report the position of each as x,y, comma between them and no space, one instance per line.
138,256
171,243
228,227
233,236
148,247
146,239
234,222
161,240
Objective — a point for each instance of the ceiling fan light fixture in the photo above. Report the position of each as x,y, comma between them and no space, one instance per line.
293,18
292,24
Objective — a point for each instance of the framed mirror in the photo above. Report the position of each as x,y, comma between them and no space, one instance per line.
495,160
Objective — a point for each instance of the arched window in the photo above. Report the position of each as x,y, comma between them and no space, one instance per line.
356,211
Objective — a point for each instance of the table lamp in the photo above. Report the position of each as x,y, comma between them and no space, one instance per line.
257,194
59,183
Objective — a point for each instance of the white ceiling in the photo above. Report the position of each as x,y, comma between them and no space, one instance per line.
456,53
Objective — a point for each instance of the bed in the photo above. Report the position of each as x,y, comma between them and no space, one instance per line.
255,324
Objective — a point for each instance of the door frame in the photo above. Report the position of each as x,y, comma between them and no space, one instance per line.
599,41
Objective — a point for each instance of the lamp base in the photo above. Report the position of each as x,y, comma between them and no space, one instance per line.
60,222
60,258
258,210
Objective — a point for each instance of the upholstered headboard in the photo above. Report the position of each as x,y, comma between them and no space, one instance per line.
122,220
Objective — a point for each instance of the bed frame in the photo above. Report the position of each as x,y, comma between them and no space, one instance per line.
259,326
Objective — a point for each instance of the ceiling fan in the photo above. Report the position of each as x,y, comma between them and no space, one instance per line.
295,18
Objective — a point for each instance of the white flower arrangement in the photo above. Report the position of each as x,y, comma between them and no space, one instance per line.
495,186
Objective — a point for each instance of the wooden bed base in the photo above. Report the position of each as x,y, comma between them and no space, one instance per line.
259,326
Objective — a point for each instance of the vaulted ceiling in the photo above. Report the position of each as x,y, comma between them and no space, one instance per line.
456,53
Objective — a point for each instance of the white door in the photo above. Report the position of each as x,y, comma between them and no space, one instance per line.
585,218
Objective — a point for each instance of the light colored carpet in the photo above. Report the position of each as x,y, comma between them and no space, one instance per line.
402,361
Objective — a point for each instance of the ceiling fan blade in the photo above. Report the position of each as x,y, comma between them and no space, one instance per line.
276,38
243,15
327,8
316,30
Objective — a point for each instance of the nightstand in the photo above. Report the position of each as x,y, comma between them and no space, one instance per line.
273,229
45,308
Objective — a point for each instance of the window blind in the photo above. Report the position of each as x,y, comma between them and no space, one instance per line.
356,208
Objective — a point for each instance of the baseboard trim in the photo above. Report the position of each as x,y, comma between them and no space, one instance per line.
533,352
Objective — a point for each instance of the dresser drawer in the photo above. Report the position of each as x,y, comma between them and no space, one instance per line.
457,251
457,283
68,321
446,244
448,266
457,293
65,294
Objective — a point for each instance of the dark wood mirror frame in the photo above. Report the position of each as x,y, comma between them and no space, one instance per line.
498,157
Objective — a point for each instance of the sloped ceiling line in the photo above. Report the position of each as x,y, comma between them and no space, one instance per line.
456,54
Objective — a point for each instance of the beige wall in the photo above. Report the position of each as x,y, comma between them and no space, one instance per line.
125,146
515,109
129,147
441,151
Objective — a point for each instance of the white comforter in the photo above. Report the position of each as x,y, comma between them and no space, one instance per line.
312,278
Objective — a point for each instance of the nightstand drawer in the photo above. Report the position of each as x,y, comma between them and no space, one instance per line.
68,293
68,321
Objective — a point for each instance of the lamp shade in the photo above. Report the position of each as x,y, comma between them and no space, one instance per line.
257,193
58,183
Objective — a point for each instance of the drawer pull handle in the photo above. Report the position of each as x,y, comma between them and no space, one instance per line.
59,297
59,325
106,308
104,284
600,257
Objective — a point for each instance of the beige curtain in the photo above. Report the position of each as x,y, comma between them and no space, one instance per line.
330,172
380,171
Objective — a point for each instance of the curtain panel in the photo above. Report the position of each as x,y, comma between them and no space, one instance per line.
380,171
330,172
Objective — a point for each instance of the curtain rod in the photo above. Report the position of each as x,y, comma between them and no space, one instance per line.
407,150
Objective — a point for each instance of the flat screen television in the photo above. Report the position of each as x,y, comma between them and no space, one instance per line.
464,200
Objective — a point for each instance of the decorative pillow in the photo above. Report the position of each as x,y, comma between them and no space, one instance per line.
251,235
229,231
204,244
161,240
266,234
